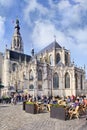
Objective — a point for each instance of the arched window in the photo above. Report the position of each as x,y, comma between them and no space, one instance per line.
76,81
66,58
67,80
55,81
57,58
81,80
40,59
17,42
31,75
14,41
14,66
50,59
39,75
40,87
31,87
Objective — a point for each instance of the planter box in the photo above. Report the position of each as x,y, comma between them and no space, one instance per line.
58,113
6,100
31,108
24,105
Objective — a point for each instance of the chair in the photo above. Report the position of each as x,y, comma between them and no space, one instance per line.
48,107
82,109
74,112
40,108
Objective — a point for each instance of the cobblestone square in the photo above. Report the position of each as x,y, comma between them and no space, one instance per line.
12,117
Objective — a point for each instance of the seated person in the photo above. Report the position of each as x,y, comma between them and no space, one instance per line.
74,112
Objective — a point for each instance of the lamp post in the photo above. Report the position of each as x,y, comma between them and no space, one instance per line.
1,86
16,86
51,89
50,83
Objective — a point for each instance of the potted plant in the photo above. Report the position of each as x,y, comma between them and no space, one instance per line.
31,107
58,111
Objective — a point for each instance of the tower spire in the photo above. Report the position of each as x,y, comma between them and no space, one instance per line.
17,44
17,27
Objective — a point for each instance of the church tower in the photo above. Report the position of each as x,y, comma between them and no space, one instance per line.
17,44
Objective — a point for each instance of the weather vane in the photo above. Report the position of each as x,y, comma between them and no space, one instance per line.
54,37
6,46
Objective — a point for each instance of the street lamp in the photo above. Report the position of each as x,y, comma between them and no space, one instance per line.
16,86
1,86
50,79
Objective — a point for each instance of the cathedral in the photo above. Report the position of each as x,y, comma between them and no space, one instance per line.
50,72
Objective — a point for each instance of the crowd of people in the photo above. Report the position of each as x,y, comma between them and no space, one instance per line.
71,101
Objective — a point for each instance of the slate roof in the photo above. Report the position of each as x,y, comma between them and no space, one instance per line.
17,56
50,46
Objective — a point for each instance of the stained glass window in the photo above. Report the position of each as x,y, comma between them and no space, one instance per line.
76,81
81,82
14,66
67,80
66,58
39,75
31,87
40,87
31,75
51,60
57,58
55,81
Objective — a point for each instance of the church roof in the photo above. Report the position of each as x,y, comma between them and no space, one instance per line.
19,56
51,46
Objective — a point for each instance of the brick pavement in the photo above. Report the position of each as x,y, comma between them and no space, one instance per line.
12,117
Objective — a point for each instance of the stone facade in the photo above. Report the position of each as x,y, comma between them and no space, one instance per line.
49,72
1,66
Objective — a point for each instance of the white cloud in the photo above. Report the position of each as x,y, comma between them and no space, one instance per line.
81,39
64,4
6,3
83,2
31,7
79,34
63,19
2,27
43,34
82,47
2,33
70,14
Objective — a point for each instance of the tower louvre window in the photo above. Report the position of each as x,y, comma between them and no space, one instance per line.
17,44
66,58
57,58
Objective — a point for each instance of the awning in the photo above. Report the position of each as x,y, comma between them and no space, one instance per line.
12,91
26,91
19,91
1,86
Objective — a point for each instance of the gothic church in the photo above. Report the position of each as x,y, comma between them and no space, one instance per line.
50,72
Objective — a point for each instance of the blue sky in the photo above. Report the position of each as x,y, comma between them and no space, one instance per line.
40,20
